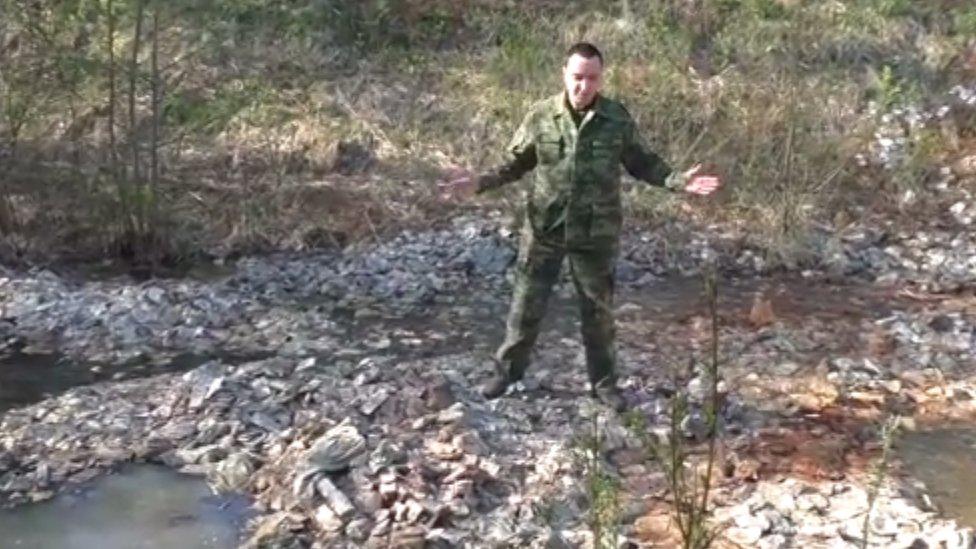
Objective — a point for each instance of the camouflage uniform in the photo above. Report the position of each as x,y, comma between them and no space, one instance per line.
574,211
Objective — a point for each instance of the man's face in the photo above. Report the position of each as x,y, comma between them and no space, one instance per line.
583,78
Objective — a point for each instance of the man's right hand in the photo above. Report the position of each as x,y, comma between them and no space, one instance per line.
458,183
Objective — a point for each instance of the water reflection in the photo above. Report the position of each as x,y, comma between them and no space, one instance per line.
945,460
142,507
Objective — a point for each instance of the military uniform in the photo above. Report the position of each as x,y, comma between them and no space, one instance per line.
574,211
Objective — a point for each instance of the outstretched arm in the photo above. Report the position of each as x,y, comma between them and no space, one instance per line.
647,166
644,164
520,158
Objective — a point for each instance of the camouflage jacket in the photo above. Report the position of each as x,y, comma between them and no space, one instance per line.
576,172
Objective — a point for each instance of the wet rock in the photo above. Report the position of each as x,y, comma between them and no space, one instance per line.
694,426
335,450
408,538
775,541
439,395
335,499
359,530
233,473
471,443
327,520
382,527
373,401
492,258
813,502
205,454
443,450
852,532
456,413
747,535
178,430
386,454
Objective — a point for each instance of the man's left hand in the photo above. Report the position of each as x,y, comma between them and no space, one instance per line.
699,183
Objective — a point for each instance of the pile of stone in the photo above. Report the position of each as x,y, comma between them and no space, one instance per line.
363,452
795,513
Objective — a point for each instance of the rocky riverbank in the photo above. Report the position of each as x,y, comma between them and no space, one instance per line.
338,389
360,427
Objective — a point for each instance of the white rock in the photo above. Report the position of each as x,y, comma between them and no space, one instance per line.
327,520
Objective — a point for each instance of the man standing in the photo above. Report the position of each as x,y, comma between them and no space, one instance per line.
575,142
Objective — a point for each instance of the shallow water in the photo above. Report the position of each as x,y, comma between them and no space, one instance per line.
945,460
26,378
141,507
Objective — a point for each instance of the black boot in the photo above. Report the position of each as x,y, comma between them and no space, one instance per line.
608,393
496,385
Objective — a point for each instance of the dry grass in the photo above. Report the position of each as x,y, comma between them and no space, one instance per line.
278,119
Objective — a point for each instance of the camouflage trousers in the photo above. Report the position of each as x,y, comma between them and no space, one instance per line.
539,263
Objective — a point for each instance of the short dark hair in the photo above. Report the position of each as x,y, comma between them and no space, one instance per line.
586,50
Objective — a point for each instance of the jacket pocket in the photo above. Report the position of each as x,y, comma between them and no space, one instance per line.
606,219
550,151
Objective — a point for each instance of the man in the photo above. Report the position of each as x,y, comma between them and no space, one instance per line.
575,142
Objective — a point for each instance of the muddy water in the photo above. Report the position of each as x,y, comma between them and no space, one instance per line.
945,460
141,507
26,378
476,322
791,298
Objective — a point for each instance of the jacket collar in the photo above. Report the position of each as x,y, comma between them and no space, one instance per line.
561,105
